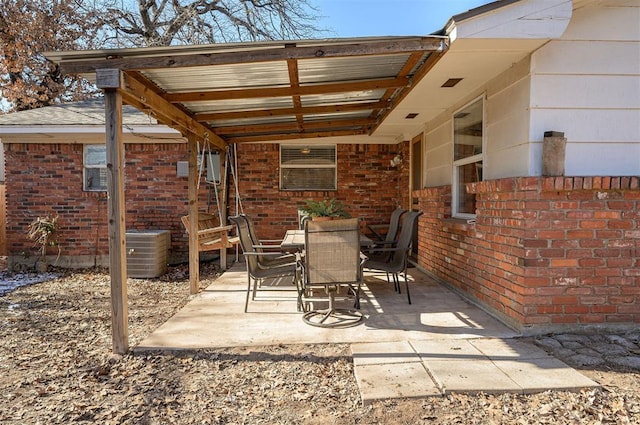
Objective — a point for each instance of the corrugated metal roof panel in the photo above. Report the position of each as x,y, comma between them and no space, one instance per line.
350,68
230,105
204,78
337,116
341,98
251,121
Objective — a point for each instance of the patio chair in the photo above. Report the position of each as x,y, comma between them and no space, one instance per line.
392,228
396,262
258,271
267,245
331,262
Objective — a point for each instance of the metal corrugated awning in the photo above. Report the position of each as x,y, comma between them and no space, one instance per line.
266,91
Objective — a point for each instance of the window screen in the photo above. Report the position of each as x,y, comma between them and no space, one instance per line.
307,167
95,167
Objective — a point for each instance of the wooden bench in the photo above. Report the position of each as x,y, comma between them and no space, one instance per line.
211,236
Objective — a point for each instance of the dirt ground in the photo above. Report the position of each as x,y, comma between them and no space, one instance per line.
56,367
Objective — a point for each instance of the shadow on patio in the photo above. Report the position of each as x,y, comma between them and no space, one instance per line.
215,317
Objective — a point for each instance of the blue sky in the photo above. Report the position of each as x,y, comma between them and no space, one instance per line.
362,18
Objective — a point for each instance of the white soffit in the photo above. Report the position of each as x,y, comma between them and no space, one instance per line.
482,47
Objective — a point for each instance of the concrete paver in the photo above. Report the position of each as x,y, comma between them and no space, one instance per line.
508,349
476,376
397,380
383,353
447,350
541,374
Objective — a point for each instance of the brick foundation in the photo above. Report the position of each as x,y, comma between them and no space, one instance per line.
544,253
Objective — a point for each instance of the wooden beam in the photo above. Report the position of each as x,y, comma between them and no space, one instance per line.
192,205
317,134
109,81
305,110
342,87
176,57
138,91
294,126
294,81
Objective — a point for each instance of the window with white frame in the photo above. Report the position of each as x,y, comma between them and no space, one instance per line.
468,130
95,167
304,167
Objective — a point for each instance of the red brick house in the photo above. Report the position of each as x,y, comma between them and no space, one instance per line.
516,126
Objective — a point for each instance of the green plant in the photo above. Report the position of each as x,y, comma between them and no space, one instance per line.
325,208
42,231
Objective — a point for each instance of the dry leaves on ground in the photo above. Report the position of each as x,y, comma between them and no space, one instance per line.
56,367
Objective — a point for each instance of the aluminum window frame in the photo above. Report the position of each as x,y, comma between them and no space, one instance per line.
309,165
475,158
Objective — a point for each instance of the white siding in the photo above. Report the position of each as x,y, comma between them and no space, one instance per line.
507,150
507,123
599,159
588,86
439,154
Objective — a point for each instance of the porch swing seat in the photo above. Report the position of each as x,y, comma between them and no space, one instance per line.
211,237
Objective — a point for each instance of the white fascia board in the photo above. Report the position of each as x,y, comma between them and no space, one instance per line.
525,19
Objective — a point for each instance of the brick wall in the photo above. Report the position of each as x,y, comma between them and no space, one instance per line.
47,178
544,253
367,185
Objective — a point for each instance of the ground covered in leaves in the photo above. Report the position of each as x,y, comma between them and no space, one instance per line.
56,367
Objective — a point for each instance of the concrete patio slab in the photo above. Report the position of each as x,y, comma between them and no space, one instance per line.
216,318
438,344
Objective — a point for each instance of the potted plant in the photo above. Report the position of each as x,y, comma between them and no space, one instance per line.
328,208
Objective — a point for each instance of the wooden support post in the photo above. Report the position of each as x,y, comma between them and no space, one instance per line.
109,81
194,260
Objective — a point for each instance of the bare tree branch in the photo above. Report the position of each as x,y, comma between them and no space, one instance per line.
166,22
30,27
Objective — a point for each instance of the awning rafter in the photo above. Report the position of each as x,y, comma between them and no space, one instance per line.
138,91
267,91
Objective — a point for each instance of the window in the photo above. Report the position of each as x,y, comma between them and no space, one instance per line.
467,157
304,167
95,167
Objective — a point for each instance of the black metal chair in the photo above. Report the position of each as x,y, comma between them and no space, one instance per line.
257,269
395,263
331,262
392,228
263,246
